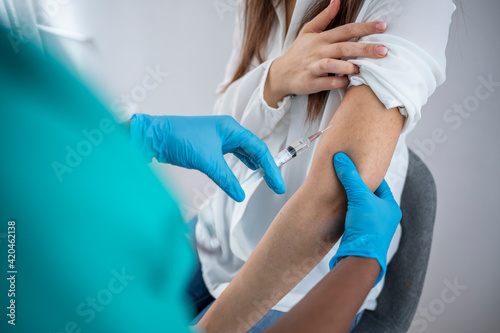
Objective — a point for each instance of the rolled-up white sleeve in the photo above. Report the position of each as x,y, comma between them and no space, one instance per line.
415,65
244,98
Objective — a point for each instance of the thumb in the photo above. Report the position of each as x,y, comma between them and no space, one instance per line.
320,22
224,177
349,176
384,191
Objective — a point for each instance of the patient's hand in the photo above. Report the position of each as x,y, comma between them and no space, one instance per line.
304,68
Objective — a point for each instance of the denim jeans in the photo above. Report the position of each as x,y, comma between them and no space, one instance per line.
197,290
264,323
199,295
268,319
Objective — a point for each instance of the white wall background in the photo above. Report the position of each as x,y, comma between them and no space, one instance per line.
191,41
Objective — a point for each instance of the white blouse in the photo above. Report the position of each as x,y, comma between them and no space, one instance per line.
415,65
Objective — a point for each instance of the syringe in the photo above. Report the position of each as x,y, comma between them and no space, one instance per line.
286,155
207,240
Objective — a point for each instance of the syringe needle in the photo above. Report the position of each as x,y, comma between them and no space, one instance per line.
318,134
285,155
323,131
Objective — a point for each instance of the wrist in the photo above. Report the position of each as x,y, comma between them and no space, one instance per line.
368,262
364,246
366,267
274,87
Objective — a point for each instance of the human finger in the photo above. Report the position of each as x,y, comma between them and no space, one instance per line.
224,177
349,177
326,83
334,66
349,31
355,49
243,157
384,191
323,19
259,153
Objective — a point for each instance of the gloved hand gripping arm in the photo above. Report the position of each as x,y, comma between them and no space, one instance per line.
371,219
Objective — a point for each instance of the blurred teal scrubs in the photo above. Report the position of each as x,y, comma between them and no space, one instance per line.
100,245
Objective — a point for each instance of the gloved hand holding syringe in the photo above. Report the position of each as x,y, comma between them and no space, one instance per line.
207,241
286,155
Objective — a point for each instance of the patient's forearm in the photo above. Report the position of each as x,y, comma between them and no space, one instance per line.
311,222
332,304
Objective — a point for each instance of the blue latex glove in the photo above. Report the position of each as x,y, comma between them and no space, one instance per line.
200,143
371,219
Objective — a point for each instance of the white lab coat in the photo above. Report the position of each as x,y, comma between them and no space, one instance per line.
415,65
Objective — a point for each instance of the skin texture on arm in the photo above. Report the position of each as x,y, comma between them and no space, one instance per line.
333,303
312,220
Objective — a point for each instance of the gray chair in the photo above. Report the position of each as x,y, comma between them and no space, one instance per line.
404,280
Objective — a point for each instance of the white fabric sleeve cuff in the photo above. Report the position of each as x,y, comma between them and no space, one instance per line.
259,116
405,78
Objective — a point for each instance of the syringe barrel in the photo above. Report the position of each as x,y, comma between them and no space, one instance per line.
299,146
284,156
293,150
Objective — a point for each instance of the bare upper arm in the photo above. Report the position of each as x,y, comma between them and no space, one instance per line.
311,221
368,133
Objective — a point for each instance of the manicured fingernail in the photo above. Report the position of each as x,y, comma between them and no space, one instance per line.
381,25
381,50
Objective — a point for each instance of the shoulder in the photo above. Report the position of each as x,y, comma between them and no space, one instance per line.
389,10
